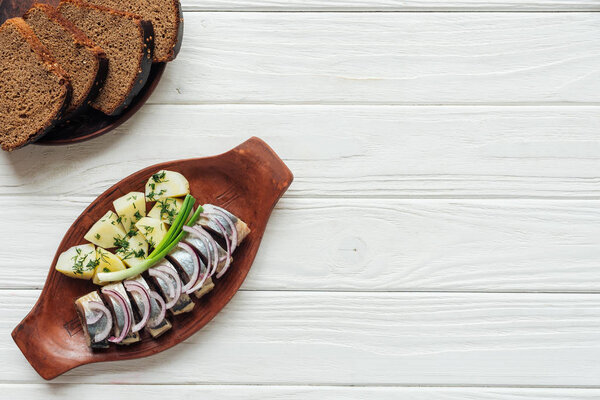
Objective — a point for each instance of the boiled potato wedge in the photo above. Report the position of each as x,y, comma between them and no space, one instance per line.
78,262
106,232
136,250
130,208
153,230
165,184
166,210
107,262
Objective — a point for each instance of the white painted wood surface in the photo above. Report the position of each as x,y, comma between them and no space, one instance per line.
441,238
386,58
354,338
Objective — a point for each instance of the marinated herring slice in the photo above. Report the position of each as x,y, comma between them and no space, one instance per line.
203,251
209,223
182,259
90,330
119,313
184,303
164,325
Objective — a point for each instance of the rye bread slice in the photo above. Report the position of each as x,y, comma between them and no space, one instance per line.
166,18
34,89
128,43
85,62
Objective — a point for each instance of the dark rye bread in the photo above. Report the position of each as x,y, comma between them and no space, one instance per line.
128,44
85,63
166,18
34,89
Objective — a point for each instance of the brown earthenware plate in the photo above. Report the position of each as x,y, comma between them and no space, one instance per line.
248,181
90,123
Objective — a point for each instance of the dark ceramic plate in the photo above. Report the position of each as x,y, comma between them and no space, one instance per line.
91,123
248,181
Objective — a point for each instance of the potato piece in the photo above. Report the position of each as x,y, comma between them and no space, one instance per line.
130,208
106,231
107,262
136,250
166,210
152,229
165,184
78,262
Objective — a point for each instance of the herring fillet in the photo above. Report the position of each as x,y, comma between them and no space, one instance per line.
119,314
84,313
199,245
183,259
165,325
207,223
184,303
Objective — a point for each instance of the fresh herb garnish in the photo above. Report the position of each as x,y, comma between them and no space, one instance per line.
153,194
159,177
102,256
167,210
78,262
173,236
122,243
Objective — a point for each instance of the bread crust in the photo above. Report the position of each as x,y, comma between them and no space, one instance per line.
146,55
81,39
51,66
176,46
145,64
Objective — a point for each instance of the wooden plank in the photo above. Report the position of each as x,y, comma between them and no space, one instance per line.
385,58
249,392
297,338
375,245
349,151
389,5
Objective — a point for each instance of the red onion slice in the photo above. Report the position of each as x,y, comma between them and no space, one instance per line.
209,242
231,223
127,318
199,282
224,234
173,274
137,288
165,278
94,318
102,310
163,309
229,251
196,263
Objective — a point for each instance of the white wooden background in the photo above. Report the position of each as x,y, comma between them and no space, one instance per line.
441,239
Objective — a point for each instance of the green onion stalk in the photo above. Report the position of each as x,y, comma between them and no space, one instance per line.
173,236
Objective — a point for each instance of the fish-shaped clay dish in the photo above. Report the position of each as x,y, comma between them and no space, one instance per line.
247,180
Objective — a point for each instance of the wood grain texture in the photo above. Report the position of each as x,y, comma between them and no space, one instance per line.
390,5
361,338
350,151
362,173
253,392
373,245
385,58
